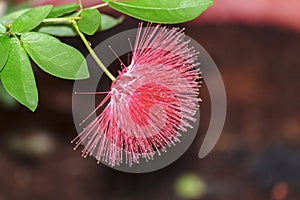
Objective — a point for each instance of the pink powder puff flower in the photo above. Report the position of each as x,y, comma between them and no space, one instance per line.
150,103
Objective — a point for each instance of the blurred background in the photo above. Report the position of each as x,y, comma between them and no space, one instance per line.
256,46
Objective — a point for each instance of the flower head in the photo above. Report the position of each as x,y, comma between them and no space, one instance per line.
150,103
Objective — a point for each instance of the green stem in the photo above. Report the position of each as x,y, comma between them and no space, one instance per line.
92,52
70,19
99,6
80,4
63,19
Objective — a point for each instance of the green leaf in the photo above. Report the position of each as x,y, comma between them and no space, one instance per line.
18,78
10,18
65,30
30,19
90,21
63,9
2,29
55,57
162,11
108,22
4,50
58,30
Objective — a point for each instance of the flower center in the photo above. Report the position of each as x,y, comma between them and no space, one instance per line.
153,105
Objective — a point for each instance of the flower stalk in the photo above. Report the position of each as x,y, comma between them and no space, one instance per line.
92,52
